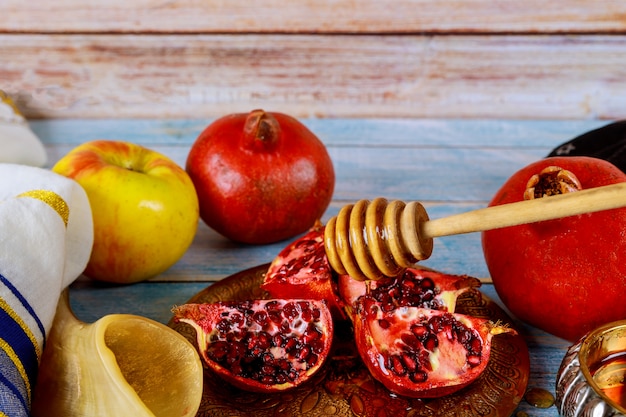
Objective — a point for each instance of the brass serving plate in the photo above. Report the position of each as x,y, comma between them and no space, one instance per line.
344,387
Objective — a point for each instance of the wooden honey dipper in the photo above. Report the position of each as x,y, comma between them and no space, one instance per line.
370,240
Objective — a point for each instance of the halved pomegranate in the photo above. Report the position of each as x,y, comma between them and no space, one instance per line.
302,270
261,345
413,287
423,353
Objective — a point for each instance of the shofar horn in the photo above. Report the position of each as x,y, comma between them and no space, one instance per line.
121,365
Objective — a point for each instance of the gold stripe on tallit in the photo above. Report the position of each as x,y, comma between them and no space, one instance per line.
53,200
4,98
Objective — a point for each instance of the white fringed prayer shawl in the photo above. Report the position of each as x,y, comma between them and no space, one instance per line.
46,235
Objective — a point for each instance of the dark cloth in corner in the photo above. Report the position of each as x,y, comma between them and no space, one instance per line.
607,142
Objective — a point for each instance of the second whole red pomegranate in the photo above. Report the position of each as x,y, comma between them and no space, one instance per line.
564,276
261,177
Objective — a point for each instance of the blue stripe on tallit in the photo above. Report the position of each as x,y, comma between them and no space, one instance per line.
21,344
13,390
25,304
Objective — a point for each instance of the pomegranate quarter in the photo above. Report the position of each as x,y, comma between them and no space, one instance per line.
423,353
261,345
412,288
409,337
302,270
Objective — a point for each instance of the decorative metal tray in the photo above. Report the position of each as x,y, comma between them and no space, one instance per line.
344,387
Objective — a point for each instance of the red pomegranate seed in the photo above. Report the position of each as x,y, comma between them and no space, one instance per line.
396,365
473,360
419,330
410,340
384,324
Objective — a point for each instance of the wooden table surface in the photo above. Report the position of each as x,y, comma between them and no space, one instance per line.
450,165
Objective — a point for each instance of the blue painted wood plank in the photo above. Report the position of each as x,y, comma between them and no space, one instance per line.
405,173
425,160
91,300
426,174
333,132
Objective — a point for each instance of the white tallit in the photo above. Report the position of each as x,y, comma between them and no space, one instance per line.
46,235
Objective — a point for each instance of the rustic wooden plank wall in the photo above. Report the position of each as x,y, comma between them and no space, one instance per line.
323,58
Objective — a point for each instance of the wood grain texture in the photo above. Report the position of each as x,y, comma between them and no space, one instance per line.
335,132
310,16
199,76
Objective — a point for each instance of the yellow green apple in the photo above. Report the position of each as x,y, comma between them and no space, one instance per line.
145,208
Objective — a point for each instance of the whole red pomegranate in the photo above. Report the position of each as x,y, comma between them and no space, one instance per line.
564,276
260,177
